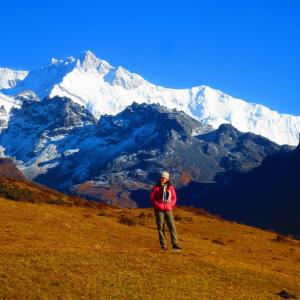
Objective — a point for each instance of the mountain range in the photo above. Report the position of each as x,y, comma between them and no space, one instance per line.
84,127
103,89
241,176
61,144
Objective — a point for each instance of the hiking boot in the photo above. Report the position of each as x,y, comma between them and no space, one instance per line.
176,247
164,247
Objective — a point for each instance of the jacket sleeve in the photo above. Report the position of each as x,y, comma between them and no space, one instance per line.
152,195
173,197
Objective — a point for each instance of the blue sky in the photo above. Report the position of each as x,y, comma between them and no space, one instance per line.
248,49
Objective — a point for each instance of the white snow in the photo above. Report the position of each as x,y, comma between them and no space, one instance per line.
9,78
9,102
6,104
104,89
70,152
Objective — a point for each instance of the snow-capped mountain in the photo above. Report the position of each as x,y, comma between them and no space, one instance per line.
104,89
9,78
6,104
34,131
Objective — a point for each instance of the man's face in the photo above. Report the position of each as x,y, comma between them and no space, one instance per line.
163,180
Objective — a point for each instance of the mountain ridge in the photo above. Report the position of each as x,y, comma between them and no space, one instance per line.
270,195
60,144
104,89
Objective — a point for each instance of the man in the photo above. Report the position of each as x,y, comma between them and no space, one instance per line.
163,198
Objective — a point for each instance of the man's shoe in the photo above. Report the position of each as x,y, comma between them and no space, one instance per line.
176,247
164,247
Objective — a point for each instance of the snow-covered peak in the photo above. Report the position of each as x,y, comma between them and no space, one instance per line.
6,105
9,102
123,78
55,61
41,81
87,60
104,89
9,78
27,95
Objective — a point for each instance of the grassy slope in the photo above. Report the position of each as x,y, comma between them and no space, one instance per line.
68,252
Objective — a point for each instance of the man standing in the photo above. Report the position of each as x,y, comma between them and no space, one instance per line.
163,198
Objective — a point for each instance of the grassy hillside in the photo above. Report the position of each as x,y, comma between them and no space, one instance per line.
70,252
27,191
9,169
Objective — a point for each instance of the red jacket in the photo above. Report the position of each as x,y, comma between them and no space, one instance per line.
156,198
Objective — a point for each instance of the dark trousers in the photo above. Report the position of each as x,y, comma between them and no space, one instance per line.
161,216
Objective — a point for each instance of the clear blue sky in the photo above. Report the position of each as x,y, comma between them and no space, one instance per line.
248,49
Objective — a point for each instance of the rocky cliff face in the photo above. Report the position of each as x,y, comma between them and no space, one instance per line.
34,132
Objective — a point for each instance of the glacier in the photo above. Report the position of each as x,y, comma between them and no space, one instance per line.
103,89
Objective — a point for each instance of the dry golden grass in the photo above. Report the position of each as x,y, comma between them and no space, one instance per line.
68,252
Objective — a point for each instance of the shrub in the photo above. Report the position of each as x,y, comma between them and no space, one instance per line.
127,220
218,241
142,215
280,239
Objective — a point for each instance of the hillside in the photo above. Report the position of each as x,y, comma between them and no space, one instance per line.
267,196
27,191
69,252
9,169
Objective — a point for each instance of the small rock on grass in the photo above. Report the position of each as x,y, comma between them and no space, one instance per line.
285,295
